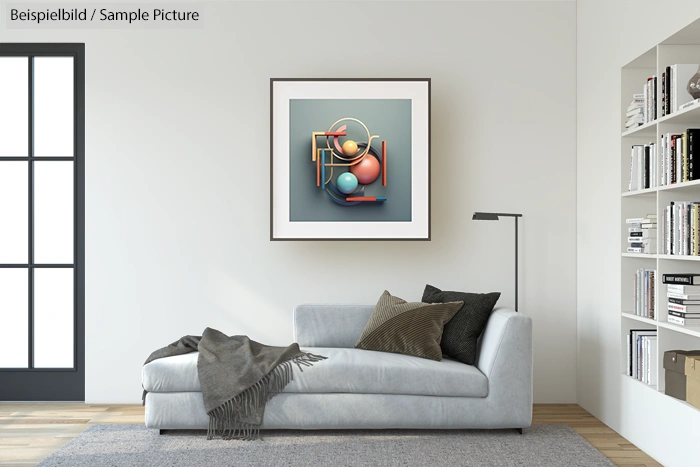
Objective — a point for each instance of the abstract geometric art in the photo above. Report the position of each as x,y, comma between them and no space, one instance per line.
365,164
350,159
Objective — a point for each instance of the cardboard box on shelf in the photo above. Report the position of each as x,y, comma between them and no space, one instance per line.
674,364
692,373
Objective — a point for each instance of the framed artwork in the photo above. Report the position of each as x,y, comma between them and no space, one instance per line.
350,159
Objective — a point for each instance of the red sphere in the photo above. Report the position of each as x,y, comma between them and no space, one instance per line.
367,170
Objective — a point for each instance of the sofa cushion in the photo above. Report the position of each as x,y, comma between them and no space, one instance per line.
353,371
461,333
407,328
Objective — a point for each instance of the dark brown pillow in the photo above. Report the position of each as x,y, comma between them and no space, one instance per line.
408,328
460,336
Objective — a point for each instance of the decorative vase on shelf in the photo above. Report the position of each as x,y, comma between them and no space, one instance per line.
694,85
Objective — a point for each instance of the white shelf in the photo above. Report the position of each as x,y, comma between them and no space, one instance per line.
683,47
641,319
677,186
646,191
634,380
638,255
691,331
648,129
679,257
690,115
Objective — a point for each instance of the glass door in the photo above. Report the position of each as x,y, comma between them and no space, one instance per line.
42,313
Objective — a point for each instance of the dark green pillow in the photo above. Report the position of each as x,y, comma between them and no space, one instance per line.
408,328
460,335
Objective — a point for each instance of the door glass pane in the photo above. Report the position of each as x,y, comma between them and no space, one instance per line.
14,212
53,212
14,316
14,106
53,318
53,106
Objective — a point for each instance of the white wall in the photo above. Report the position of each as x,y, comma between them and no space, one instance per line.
177,173
610,34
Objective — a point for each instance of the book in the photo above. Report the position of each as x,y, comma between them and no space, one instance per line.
634,350
681,296
682,321
682,314
690,104
667,98
693,135
680,301
681,74
684,308
637,102
663,94
681,278
683,289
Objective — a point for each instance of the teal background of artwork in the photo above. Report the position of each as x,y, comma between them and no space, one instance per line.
388,118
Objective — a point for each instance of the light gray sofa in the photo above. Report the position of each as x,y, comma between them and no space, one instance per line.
365,389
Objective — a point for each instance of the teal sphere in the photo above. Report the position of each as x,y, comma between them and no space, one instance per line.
346,182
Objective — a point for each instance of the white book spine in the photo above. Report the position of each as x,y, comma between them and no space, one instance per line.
630,188
673,87
654,363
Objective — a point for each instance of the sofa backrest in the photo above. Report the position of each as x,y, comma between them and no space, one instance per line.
330,325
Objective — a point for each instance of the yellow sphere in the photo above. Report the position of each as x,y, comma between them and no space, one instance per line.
349,148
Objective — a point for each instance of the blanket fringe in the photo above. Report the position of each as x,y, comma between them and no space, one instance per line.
225,420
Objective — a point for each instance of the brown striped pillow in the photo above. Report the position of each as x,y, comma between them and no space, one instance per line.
410,328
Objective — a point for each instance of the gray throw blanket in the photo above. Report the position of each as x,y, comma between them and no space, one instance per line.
237,376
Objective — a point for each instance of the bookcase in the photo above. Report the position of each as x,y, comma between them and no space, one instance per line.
682,47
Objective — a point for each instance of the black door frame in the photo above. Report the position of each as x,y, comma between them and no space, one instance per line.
54,384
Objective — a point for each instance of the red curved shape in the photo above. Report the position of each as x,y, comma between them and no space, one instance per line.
335,140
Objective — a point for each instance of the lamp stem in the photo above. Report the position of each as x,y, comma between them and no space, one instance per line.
516,264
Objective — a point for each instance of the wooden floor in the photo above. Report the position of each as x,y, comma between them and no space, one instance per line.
30,432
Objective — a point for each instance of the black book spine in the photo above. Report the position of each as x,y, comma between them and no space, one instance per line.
684,279
646,166
663,94
667,103
670,229
636,234
692,136
653,98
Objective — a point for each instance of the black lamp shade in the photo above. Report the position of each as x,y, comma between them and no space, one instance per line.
485,216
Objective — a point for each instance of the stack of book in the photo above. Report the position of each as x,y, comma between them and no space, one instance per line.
680,234
645,293
683,291
674,92
635,112
642,363
642,234
643,167
678,157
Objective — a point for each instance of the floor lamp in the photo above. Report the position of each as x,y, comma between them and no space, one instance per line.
494,216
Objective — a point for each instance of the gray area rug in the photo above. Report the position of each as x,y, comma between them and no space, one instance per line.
135,445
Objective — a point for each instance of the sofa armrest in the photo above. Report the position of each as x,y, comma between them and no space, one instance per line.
505,358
